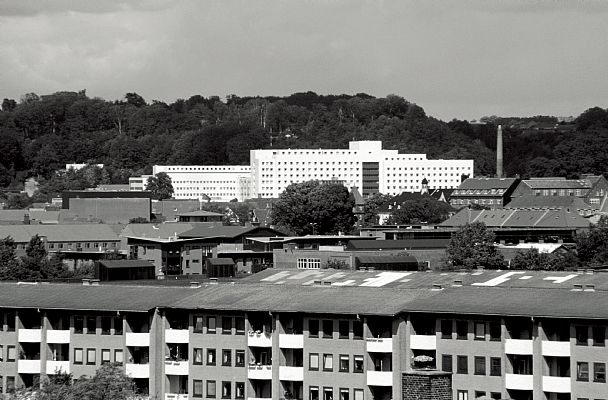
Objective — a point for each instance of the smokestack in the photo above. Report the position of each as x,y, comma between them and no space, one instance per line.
499,152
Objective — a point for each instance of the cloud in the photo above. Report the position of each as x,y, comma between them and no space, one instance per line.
36,7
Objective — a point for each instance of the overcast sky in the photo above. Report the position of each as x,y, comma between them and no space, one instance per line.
457,59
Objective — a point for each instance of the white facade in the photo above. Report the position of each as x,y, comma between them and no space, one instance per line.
364,165
218,182
138,183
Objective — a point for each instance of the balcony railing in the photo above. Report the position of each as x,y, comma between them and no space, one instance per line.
379,345
137,339
287,341
176,396
423,342
557,384
58,336
380,378
138,370
54,367
176,367
259,339
519,382
259,372
30,335
555,349
291,373
518,346
177,336
28,366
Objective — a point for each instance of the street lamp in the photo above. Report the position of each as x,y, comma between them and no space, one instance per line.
314,226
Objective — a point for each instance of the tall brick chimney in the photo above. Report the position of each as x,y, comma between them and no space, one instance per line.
426,385
499,152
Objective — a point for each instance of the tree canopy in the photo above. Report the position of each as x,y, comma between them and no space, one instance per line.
315,207
160,186
426,209
472,246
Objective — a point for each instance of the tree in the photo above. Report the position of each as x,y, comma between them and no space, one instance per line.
370,208
8,104
160,186
8,258
592,246
423,210
472,246
315,207
135,99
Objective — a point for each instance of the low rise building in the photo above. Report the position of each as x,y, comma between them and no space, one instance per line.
485,192
593,189
320,334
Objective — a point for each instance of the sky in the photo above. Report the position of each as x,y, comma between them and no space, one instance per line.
457,59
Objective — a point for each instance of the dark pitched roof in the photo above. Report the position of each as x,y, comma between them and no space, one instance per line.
226,231
529,201
126,263
60,233
519,218
156,231
220,261
381,259
557,183
487,183
199,213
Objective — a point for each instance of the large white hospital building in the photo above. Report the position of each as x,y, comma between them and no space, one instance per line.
364,165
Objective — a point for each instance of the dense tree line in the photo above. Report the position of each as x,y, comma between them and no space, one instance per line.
40,134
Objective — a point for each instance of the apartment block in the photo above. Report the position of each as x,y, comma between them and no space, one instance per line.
364,165
321,334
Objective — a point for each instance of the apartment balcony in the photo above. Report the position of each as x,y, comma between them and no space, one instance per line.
379,345
291,373
380,378
518,346
138,370
557,384
54,367
28,366
176,367
177,336
138,339
58,336
29,335
555,349
175,396
423,342
287,341
519,382
258,339
259,372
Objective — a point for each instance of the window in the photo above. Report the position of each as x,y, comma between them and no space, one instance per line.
446,328
599,372
313,328
357,329
599,336
328,362
197,356
240,325
313,361
226,390
582,335
210,324
78,356
582,371
462,328
10,384
358,364
226,358
495,395
313,393
495,366
105,356
91,325
211,389
480,365
446,363
118,325
227,325
198,327
1,354
479,393
197,388
462,365
358,394
344,394
328,393
309,263
106,323
462,395
239,358
118,356
91,356
343,329
480,331
328,329
210,356
344,363
495,330
78,324
239,390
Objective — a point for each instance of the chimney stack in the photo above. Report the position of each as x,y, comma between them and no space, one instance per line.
499,152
